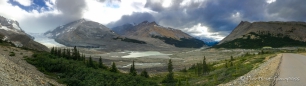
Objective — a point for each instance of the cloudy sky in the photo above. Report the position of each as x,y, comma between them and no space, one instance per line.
211,19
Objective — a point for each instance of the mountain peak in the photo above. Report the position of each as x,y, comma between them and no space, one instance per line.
148,23
8,24
154,23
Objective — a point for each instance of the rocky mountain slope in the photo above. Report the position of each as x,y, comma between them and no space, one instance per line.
84,33
11,31
15,71
157,35
259,34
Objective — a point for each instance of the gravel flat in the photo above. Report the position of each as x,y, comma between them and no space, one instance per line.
292,70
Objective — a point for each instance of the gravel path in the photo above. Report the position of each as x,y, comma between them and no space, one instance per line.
261,76
292,70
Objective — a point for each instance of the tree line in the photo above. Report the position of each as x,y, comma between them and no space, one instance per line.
75,54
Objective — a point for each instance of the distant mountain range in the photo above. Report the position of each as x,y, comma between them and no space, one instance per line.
10,31
157,35
260,34
85,33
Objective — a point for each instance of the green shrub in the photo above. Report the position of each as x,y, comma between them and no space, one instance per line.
12,54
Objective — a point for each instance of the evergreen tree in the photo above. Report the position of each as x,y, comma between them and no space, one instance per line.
59,52
226,64
78,56
52,51
68,54
74,53
101,65
114,68
90,62
64,53
144,73
205,66
133,70
55,51
170,77
231,61
100,62
170,66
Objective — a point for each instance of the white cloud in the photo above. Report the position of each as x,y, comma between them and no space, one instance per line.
167,3
189,2
201,31
30,21
24,2
236,17
112,11
270,1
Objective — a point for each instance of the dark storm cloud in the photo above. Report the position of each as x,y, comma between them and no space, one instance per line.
134,18
290,10
71,8
216,14
220,16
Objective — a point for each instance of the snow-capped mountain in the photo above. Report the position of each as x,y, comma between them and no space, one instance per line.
12,32
85,33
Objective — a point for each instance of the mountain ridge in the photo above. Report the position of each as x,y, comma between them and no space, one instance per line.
157,35
261,31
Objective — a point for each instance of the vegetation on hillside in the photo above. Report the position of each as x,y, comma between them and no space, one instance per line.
212,74
264,39
183,42
70,67
130,40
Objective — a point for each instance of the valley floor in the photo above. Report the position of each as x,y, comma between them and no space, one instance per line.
181,58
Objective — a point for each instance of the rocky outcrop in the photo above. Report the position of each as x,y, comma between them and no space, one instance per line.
294,30
11,31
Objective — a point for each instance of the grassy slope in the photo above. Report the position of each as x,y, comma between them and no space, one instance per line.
219,73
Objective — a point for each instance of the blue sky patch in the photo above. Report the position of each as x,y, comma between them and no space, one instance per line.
36,5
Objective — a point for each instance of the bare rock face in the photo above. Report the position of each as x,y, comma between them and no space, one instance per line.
11,31
294,30
157,35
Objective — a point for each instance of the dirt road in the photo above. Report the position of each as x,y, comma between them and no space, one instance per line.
292,71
